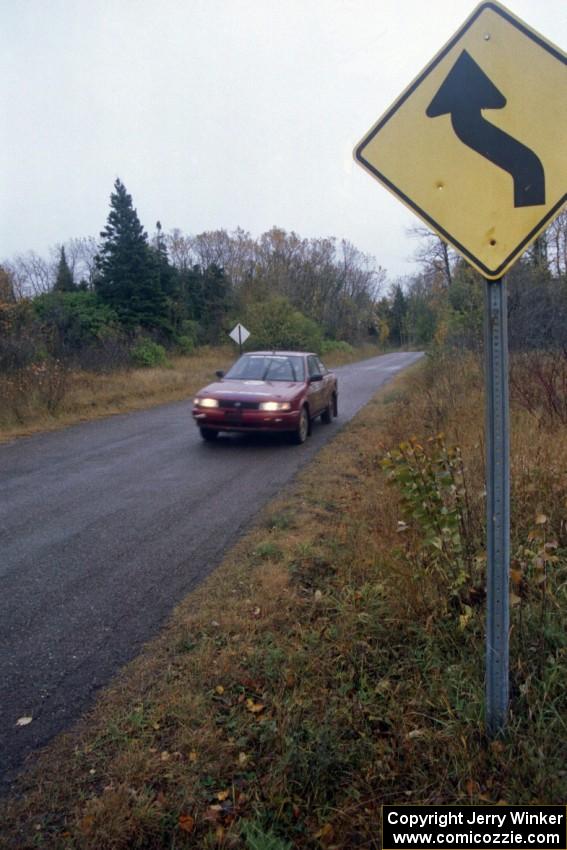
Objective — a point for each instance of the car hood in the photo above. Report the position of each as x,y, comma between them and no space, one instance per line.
253,390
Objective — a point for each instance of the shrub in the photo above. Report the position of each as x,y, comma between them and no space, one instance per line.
147,353
274,323
336,346
538,383
432,482
73,320
185,345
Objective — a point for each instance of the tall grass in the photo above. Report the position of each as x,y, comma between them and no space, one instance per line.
334,663
50,394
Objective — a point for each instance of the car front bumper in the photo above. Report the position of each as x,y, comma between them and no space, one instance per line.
246,420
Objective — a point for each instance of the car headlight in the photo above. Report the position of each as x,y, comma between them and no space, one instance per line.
206,402
272,406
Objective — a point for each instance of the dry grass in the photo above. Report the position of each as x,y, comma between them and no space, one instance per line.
48,398
88,395
313,677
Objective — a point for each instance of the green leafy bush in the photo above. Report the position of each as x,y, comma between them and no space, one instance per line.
336,346
189,337
148,353
431,479
77,318
274,324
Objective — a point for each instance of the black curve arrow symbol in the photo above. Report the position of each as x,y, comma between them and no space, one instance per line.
464,93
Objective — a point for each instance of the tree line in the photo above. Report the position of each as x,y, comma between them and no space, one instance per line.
96,300
128,297
444,301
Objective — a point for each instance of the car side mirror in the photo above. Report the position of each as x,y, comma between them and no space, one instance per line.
219,373
314,378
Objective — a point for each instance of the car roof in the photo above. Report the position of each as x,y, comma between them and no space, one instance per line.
283,353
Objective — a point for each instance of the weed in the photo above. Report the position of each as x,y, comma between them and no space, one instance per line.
258,838
432,481
321,671
267,551
280,521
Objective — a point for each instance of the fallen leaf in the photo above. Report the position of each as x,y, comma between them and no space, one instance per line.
219,689
541,519
516,576
24,721
186,823
472,787
193,756
242,758
213,813
254,707
514,600
497,747
87,824
223,795
326,834
415,733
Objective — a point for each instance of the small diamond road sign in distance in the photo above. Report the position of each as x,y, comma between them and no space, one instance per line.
477,143
239,334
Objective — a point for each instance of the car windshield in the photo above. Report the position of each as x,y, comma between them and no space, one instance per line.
267,367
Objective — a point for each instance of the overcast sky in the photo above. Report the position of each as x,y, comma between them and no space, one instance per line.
214,113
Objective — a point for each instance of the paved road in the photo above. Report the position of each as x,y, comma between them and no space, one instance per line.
105,526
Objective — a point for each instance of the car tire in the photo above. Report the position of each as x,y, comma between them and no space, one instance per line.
327,415
335,405
302,431
209,434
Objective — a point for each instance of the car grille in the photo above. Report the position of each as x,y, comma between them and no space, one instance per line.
227,404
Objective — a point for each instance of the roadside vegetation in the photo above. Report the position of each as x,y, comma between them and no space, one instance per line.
126,320
78,330
44,398
334,662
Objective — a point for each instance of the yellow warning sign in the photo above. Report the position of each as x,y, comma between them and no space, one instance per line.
477,144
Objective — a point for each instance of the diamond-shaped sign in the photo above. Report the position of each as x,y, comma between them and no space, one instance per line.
239,334
477,144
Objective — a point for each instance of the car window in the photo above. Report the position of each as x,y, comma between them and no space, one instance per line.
312,365
266,367
322,369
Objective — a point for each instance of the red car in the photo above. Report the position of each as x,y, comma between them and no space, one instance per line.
268,391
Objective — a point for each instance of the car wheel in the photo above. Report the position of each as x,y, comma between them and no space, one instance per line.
209,434
302,432
335,405
327,415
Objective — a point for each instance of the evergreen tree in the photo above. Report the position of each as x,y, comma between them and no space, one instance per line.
64,281
398,314
217,300
128,275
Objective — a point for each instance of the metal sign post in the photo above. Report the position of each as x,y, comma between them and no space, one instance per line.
497,505
488,175
239,334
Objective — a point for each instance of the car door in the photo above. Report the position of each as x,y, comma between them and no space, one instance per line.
328,383
316,395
